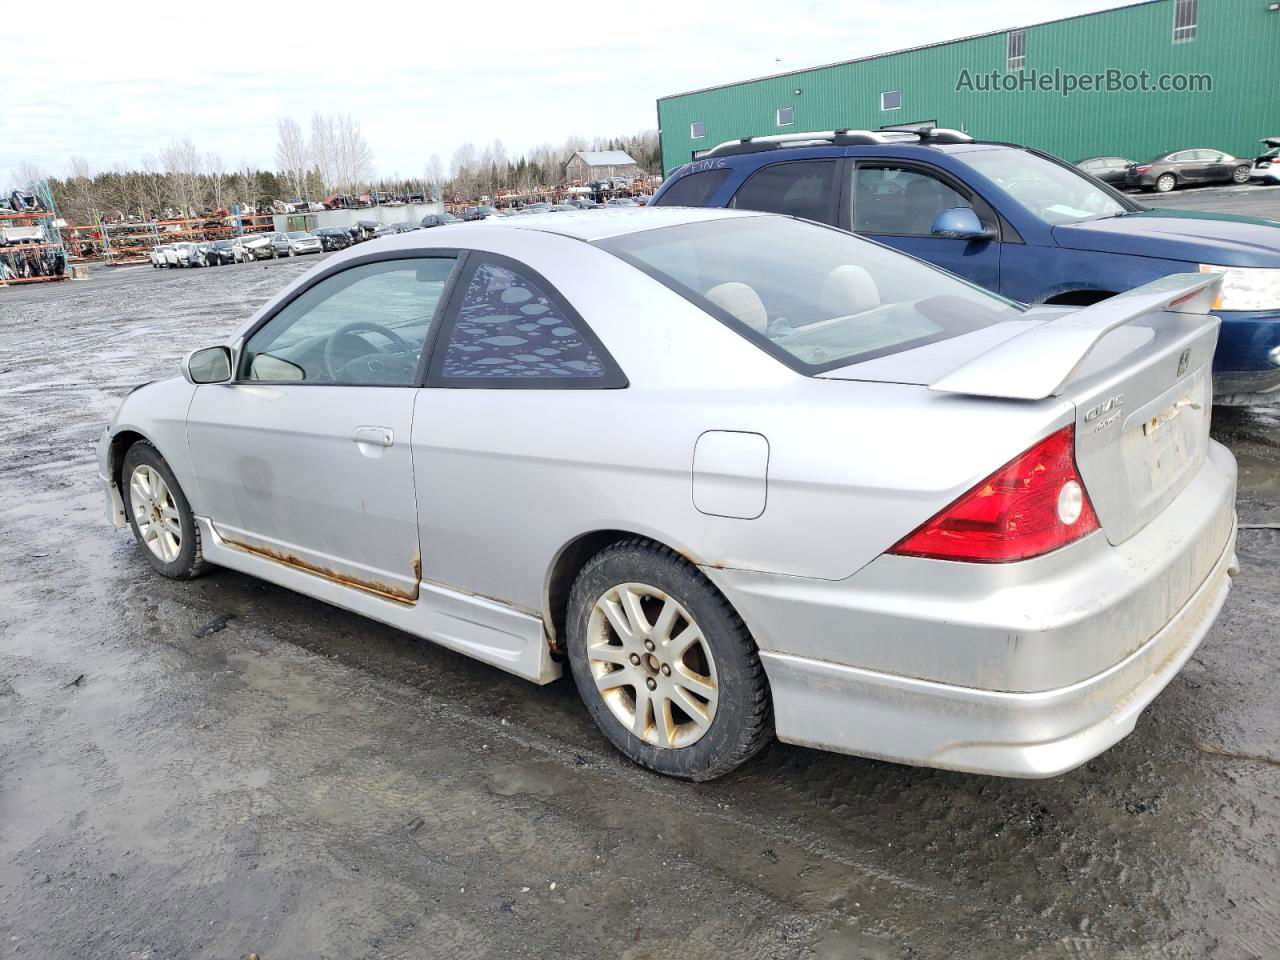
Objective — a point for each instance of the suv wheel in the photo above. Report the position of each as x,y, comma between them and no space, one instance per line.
1166,182
665,666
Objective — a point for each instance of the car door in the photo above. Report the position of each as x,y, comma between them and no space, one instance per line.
1218,165
896,203
305,456
496,455
1189,165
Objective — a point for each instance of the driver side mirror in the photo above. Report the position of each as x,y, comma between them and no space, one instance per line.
210,365
960,223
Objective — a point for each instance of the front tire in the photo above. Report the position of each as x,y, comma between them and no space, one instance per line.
1240,175
1166,182
159,514
664,664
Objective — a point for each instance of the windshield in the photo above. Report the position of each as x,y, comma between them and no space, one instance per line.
1052,191
815,297
299,235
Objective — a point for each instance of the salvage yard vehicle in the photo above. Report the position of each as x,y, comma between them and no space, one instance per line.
295,243
178,254
736,472
1181,167
257,246
220,252
157,255
1267,167
333,238
1012,219
438,220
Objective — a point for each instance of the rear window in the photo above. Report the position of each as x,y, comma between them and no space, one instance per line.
693,190
814,297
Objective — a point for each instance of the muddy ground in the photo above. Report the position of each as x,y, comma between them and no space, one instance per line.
221,767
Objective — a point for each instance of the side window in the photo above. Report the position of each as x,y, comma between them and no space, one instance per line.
510,329
801,188
694,189
899,200
365,325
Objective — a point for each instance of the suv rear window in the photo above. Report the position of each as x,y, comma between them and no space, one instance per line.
693,190
814,297
800,188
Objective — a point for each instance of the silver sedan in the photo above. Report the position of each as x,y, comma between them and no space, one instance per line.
739,474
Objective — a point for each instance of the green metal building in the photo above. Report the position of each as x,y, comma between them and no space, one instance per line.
1183,73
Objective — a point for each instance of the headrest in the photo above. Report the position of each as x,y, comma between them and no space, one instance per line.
742,302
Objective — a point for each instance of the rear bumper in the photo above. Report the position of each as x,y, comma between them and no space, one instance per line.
834,707
1038,671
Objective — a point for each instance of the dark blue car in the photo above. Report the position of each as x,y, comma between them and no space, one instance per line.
1012,219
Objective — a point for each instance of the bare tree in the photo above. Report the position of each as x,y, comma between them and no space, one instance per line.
83,203
247,185
324,149
435,176
181,161
218,179
292,154
463,170
27,173
355,159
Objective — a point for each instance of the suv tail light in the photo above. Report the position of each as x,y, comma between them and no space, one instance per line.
1033,504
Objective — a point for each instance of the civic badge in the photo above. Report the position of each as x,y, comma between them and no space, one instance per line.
1184,361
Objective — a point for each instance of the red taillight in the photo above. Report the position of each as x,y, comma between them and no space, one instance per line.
1143,167
1033,504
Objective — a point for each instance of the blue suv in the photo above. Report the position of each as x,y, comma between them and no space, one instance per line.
1009,218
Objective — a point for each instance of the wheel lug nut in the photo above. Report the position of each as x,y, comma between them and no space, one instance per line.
635,659
648,645
651,683
666,670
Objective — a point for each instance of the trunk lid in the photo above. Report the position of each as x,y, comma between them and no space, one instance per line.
1137,369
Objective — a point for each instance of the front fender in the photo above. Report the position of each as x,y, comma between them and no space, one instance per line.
156,413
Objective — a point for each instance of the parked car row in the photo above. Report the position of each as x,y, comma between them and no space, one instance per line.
1178,168
213,253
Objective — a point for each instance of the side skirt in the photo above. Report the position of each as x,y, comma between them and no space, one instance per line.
483,629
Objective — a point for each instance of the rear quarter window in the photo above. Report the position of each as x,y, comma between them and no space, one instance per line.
693,190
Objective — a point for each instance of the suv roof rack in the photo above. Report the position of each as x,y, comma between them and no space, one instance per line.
839,138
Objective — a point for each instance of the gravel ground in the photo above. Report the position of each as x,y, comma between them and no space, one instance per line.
221,767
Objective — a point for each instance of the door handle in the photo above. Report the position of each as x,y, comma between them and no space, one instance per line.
377,436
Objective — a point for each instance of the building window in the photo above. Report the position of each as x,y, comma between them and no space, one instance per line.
1184,21
786,116
1017,52
697,130
891,100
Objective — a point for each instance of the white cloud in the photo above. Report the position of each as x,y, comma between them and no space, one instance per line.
422,78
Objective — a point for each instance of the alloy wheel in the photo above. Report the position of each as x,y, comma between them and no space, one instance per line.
652,666
155,513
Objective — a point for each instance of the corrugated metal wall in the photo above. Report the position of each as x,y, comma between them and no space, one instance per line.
1237,42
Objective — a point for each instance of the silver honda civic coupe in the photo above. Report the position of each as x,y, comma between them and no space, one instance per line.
740,474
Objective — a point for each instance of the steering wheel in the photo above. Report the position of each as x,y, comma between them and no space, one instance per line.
397,341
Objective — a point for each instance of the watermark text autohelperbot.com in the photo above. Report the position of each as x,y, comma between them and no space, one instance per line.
1066,83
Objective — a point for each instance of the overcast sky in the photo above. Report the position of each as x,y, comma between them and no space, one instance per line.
115,86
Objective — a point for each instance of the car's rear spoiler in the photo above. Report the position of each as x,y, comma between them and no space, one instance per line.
1038,363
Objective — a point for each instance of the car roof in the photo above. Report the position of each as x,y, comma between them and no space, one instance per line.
612,222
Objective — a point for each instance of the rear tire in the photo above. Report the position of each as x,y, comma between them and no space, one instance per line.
664,664
159,514
1166,182
1240,174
